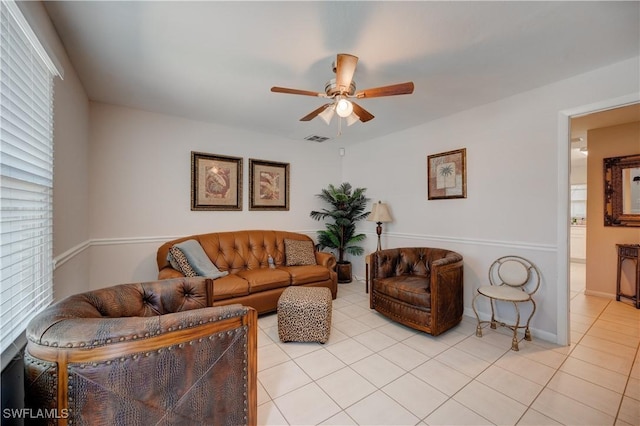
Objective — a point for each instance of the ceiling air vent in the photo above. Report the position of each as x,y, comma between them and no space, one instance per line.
316,138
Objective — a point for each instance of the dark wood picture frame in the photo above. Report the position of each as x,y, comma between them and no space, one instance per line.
621,190
447,175
216,182
268,185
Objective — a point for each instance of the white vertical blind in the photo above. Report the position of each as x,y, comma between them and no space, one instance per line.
26,175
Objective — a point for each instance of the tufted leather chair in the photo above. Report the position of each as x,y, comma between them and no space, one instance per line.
142,354
418,287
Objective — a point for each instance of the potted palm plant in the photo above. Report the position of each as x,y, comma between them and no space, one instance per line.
346,207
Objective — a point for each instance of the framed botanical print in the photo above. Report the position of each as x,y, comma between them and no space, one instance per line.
268,185
216,182
447,175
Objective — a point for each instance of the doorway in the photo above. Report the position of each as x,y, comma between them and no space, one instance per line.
583,171
565,118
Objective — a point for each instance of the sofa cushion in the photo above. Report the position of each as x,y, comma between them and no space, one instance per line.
411,289
307,274
262,279
179,262
230,286
298,252
199,260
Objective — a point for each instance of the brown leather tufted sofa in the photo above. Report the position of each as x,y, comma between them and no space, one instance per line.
244,254
142,354
418,287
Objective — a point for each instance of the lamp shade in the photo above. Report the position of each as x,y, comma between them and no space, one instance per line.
353,118
327,114
380,213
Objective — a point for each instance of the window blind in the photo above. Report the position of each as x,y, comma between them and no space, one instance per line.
26,176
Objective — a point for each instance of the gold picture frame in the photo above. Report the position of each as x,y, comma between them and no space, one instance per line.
216,182
268,185
622,190
447,175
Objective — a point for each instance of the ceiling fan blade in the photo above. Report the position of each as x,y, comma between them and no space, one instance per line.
362,113
345,68
392,90
313,114
297,92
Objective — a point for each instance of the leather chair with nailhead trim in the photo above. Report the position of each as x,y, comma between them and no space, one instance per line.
143,353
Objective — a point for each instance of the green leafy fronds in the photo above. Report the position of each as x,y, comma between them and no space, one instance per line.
346,207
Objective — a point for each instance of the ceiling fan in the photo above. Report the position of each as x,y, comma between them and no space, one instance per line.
343,88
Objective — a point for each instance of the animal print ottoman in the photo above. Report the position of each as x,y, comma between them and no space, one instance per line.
304,314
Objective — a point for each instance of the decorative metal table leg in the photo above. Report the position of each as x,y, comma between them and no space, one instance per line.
527,335
479,331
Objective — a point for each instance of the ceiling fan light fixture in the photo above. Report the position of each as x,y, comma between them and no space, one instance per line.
353,118
344,108
327,114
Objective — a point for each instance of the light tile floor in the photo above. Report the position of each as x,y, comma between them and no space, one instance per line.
373,371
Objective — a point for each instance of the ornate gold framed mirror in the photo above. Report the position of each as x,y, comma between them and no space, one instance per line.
622,191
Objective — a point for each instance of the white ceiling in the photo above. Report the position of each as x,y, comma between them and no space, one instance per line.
216,61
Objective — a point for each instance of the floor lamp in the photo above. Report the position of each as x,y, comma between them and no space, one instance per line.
379,214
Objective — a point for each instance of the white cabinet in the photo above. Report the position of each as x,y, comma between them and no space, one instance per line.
578,248
578,203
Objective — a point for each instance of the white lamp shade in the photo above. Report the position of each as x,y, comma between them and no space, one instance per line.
327,114
353,118
380,213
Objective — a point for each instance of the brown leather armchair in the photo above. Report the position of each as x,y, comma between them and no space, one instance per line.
418,287
145,353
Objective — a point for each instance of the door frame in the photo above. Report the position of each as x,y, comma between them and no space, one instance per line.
563,334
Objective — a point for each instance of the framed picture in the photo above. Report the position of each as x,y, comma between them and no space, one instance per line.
268,185
447,175
216,182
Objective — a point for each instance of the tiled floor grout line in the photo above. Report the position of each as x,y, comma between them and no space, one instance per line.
472,380
626,385
628,374
358,303
558,369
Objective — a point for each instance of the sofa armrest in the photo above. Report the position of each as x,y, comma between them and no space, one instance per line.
449,258
168,273
326,259
447,294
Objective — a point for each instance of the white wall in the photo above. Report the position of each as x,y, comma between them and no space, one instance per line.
512,185
71,165
140,186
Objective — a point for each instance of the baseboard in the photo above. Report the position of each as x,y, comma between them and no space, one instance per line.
601,294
